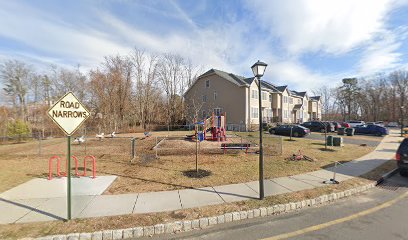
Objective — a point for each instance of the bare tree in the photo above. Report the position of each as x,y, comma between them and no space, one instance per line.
16,80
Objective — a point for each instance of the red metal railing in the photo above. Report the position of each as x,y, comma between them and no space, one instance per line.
59,174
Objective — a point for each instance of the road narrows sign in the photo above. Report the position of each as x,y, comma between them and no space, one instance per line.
68,113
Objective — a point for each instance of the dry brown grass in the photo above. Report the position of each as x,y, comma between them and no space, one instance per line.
21,162
132,220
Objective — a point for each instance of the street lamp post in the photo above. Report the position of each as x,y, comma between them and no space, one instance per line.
259,69
402,121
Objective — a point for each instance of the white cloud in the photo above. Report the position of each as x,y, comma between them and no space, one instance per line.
54,37
333,27
379,56
296,76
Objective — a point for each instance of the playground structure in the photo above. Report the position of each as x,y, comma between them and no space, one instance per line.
64,174
215,125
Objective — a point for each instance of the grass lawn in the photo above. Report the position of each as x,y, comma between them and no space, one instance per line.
21,162
14,231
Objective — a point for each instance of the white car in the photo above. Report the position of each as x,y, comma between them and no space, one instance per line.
392,124
380,123
356,123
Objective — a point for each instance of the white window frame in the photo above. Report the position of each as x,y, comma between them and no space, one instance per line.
285,99
215,95
290,100
205,98
217,111
254,112
207,83
270,97
254,94
269,113
264,96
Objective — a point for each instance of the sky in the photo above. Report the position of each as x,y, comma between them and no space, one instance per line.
306,44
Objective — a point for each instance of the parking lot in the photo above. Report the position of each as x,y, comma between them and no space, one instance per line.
371,141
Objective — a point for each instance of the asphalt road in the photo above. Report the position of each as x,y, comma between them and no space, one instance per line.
350,140
380,213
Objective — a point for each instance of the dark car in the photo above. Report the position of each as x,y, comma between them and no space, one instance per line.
297,130
371,130
402,157
317,126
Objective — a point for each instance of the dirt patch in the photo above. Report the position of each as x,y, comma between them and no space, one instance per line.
199,173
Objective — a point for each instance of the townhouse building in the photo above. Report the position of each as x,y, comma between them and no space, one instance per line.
218,91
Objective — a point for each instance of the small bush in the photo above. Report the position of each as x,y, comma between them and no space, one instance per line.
18,129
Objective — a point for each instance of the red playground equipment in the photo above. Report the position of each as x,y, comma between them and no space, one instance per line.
216,125
59,174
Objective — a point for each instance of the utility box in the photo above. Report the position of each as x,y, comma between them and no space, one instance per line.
329,140
350,131
341,131
338,142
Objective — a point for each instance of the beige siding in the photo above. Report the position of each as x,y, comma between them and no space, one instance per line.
230,97
254,104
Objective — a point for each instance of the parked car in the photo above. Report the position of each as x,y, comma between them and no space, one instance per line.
330,126
380,123
402,157
317,126
392,124
284,130
356,123
371,130
337,125
345,124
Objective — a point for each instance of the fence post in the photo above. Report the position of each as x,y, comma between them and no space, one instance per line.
133,153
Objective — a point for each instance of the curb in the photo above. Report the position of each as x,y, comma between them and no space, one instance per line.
387,175
206,222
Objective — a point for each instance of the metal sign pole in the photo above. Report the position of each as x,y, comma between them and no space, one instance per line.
69,178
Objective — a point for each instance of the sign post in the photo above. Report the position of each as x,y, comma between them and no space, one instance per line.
69,114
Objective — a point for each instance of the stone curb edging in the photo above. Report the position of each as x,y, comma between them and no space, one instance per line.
188,225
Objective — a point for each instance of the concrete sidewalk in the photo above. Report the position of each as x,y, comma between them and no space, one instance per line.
20,207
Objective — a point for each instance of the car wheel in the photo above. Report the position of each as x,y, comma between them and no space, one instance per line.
379,134
404,173
322,130
296,134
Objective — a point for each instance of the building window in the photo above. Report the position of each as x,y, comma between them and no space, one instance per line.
254,112
207,83
215,95
204,98
264,96
269,113
285,99
254,94
285,113
299,100
290,100
270,98
217,111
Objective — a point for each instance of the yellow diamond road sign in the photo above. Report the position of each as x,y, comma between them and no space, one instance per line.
68,113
